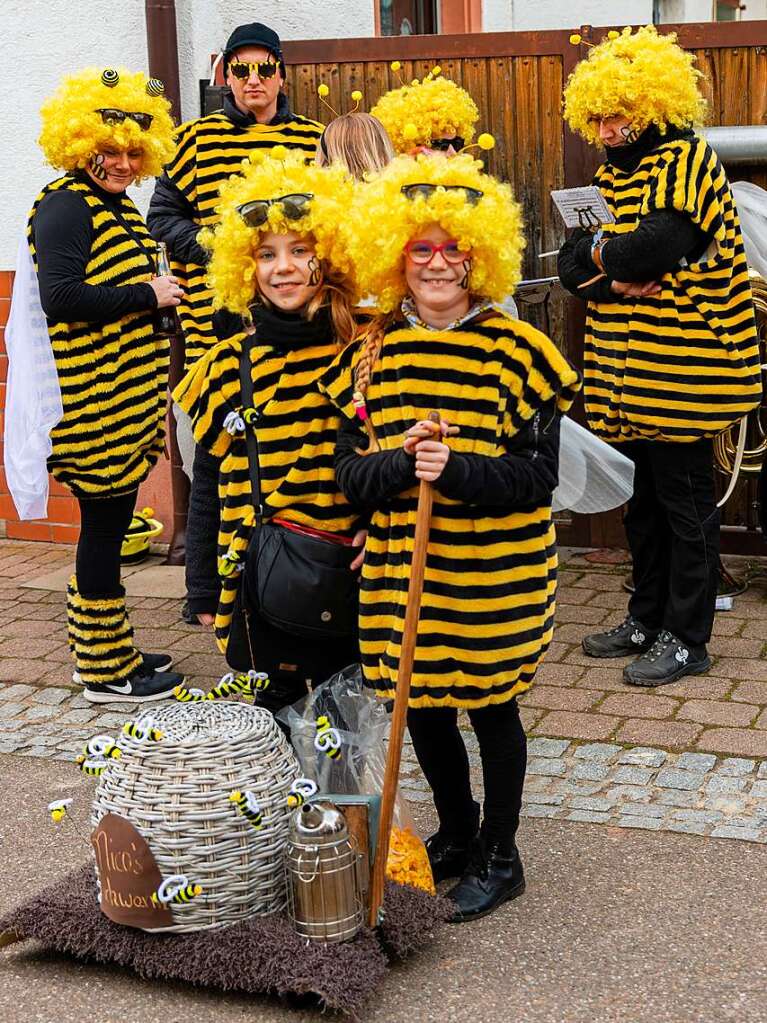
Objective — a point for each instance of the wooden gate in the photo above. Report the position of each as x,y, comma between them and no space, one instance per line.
516,79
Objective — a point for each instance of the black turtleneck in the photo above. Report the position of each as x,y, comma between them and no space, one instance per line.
655,247
63,236
280,329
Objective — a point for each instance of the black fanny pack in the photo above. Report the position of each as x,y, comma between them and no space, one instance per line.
297,579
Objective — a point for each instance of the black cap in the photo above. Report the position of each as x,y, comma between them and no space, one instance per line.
254,34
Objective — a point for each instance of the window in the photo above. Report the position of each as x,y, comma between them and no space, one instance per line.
727,10
408,17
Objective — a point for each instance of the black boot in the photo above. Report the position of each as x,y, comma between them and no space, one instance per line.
494,875
450,848
449,857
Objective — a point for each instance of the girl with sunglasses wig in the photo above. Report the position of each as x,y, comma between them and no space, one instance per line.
278,272
93,262
452,248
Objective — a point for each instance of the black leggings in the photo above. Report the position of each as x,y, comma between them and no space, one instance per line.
104,522
441,752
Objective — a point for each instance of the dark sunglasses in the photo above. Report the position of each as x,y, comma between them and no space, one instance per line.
109,115
424,191
244,69
295,206
443,145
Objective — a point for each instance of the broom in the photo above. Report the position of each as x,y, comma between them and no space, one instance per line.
402,692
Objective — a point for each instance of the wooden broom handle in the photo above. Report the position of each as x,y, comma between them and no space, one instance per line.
402,692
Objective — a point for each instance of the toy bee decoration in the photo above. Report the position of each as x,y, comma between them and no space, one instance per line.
190,695
102,746
248,806
258,681
231,685
92,766
301,790
327,739
177,890
142,733
58,809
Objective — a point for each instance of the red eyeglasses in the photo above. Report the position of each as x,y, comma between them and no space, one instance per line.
422,252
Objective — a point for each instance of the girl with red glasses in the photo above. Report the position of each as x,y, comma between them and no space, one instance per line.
452,247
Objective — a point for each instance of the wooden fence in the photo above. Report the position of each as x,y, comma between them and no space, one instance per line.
516,79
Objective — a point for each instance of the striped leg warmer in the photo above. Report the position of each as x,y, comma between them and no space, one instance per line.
100,637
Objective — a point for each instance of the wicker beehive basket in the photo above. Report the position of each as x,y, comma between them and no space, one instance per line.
175,792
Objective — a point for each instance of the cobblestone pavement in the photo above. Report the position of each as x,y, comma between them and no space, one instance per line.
688,757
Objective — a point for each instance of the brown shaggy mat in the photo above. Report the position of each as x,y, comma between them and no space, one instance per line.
264,955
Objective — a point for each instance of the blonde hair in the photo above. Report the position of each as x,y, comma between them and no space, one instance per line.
414,115
382,220
73,130
643,76
233,244
358,141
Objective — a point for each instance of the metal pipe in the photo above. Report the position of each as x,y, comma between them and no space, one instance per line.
738,144
162,48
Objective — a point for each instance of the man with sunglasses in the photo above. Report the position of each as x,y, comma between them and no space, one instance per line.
255,116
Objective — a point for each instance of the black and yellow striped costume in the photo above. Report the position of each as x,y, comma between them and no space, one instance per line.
211,149
489,593
113,376
296,437
682,364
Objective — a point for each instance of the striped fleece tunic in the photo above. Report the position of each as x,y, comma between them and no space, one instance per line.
297,429
210,150
113,376
489,592
682,364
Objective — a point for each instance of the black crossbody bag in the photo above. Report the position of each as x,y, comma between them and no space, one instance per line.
296,581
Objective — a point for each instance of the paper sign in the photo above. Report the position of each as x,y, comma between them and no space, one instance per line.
582,207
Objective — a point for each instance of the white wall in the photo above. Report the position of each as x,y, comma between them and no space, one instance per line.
43,39
521,15
204,25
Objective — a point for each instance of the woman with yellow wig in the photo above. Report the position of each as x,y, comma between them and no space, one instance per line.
671,354
438,242
279,275
95,268
434,114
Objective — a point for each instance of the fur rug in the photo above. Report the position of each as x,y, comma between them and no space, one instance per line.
264,955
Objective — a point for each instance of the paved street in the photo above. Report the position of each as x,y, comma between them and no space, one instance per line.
644,829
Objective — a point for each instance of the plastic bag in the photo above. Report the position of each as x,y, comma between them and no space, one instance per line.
593,476
752,212
339,735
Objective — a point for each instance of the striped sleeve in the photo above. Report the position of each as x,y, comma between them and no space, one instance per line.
688,179
209,392
182,169
533,372
337,381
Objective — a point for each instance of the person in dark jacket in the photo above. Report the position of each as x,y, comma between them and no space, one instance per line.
670,351
255,116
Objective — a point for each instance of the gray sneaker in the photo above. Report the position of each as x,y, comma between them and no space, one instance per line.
630,637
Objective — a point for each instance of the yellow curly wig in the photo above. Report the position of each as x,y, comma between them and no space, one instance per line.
73,131
640,75
435,108
232,243
382,220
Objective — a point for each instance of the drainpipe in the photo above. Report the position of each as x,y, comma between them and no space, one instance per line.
162,50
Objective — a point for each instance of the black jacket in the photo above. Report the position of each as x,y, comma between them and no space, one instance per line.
171,217
652,249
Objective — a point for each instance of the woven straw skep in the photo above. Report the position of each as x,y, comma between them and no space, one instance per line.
175,792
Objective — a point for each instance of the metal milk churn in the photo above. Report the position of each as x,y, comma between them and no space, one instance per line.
324,900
